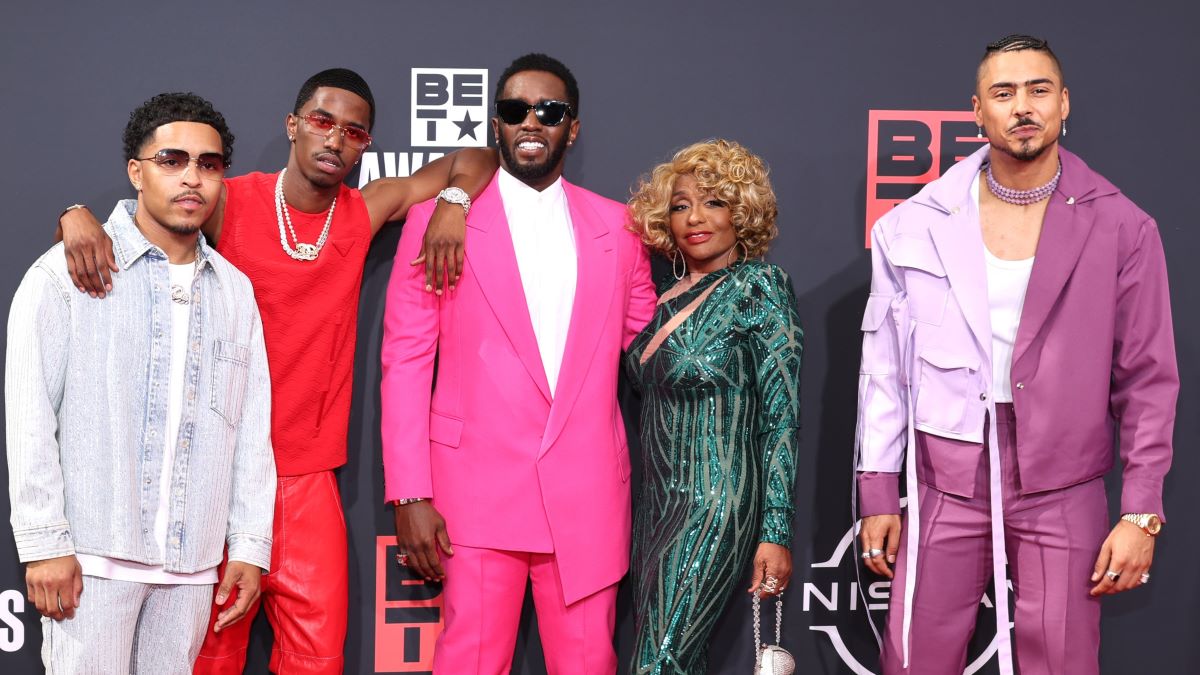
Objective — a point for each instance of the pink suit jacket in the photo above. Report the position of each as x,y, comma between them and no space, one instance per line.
509,465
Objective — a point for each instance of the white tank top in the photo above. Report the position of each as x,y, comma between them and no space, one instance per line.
1007,281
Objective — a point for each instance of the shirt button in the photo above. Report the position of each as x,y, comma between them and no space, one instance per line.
1020,385
148,481
184,443
983,397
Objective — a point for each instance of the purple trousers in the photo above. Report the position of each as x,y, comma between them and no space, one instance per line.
1052,540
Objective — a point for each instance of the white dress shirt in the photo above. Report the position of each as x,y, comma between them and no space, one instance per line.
544,241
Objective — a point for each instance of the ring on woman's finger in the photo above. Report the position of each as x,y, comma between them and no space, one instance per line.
402,559
1145,577
1113,575
875,552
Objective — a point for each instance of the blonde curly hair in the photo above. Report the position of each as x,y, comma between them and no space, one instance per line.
723,168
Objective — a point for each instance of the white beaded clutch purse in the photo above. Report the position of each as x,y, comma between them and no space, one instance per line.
771,659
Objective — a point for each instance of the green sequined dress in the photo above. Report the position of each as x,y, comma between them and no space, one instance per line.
720,409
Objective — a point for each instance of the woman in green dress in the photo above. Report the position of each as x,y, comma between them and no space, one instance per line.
718,369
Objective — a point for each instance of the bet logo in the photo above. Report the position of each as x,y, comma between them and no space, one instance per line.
907,149
408,615
449,107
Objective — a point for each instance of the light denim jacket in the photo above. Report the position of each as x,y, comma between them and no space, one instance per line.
86,404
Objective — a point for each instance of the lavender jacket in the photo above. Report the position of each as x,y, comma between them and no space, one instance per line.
1094,351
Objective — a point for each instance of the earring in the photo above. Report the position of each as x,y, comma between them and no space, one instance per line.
980,132
291,138
678,275
1064,128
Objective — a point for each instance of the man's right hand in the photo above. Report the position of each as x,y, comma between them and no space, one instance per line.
420,532
90,260
54,586
880,533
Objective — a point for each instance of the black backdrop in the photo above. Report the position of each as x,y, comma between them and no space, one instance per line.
796,82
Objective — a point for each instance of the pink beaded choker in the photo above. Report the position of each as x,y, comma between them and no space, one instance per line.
1022,197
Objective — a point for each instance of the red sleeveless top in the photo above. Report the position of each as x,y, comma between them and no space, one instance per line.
309,314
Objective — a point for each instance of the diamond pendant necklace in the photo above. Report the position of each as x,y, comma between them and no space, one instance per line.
302,251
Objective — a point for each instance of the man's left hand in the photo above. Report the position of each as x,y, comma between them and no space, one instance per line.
247,579
1128,551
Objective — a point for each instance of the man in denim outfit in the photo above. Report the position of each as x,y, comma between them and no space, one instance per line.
133,456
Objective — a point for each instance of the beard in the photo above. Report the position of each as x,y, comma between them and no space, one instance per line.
1027,151
537,171
182,229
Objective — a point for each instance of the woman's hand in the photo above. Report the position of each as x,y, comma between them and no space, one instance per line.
771,562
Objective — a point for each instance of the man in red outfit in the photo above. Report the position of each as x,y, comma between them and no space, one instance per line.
302,237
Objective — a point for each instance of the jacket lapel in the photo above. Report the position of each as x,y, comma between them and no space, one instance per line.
493,261
1065,229
959,242
596,255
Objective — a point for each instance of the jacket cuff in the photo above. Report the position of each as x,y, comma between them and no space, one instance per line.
251,549
878,493
43,543
1142,496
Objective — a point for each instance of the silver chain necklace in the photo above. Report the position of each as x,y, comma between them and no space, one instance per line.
302,251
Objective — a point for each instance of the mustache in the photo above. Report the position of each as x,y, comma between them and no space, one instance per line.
1024,122
190,193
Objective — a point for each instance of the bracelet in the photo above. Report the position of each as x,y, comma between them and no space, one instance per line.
71,208
402,502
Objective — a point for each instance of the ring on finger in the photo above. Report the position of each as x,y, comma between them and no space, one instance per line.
1145,579
875,552
402,559
1113,575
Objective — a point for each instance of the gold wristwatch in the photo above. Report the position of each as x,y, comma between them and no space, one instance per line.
1150,523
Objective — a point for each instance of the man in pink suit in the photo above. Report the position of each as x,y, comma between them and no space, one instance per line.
517,467
1018,320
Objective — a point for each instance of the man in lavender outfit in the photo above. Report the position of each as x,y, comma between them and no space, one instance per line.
1018,320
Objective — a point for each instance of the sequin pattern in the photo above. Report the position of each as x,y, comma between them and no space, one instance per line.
720,408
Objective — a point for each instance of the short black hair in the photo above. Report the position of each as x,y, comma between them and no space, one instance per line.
173,107
338,78
544,63
1018,43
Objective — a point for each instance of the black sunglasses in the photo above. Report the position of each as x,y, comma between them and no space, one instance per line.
549,113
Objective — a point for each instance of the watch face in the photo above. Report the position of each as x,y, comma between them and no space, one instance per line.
454,194
1153,524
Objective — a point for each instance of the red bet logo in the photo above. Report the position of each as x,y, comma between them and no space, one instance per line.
907,149
408,615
